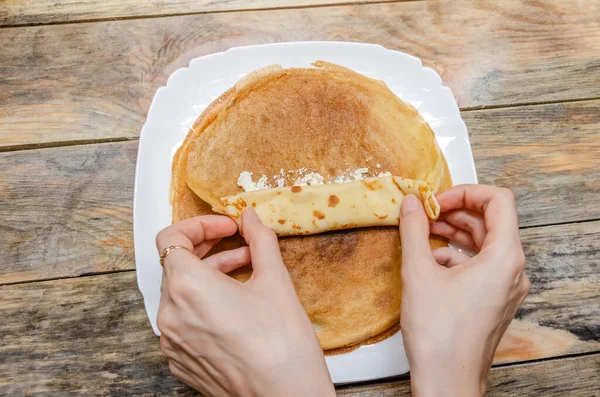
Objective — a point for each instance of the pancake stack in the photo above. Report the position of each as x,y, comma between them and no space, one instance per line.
282,123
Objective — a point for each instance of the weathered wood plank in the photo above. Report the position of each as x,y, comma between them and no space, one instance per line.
562,312
96,80
90,336
67,211
35,12
549,155
575,377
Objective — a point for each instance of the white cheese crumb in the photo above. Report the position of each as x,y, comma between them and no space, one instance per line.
262,183
245,182
359,174
312,178
341,179
378,165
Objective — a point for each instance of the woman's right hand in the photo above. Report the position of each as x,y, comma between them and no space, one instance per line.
455,308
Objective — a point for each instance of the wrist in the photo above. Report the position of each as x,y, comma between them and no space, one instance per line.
447,373
296,387
295,377
453,383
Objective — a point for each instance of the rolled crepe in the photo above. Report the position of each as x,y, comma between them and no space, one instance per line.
300,210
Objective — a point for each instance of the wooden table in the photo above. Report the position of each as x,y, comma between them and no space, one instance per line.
76,81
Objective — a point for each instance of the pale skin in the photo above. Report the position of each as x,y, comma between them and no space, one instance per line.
227,338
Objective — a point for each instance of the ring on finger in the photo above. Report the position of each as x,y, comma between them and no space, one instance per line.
165,252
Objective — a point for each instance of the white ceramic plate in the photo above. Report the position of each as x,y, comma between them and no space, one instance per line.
189,90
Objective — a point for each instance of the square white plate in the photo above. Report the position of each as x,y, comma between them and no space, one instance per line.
189,90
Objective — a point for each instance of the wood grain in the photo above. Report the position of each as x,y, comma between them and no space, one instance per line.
96,80
35,12
67,211
84,227
549,155
562,312
90,336
575,377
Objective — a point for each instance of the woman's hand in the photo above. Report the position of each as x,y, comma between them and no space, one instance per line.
455,308
227,338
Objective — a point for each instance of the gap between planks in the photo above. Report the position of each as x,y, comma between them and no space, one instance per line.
482,108
179,14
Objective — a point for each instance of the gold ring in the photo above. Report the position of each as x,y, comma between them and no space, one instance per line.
167,251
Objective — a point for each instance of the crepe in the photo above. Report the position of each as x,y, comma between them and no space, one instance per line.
325,120
298,210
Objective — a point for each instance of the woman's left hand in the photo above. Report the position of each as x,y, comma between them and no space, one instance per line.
227,338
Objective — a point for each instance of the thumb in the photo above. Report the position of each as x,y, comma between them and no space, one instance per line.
414,233
264,247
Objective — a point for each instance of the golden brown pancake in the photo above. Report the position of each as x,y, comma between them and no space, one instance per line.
326,119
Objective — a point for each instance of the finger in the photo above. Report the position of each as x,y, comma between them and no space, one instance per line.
228,261
469,221
264,247
456,236
205,247
497,205
194,231
206,383
186,376
449,257
414,233
167,347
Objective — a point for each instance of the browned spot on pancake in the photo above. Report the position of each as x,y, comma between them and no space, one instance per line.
394,201
253,204
278,193
380,216
314,223
382,300
333,200
296,189
348,225
372,185
281,221
318,214
398,218
239,204
296,226
364,196
338,246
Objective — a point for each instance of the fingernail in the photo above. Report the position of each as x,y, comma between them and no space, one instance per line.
409,205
